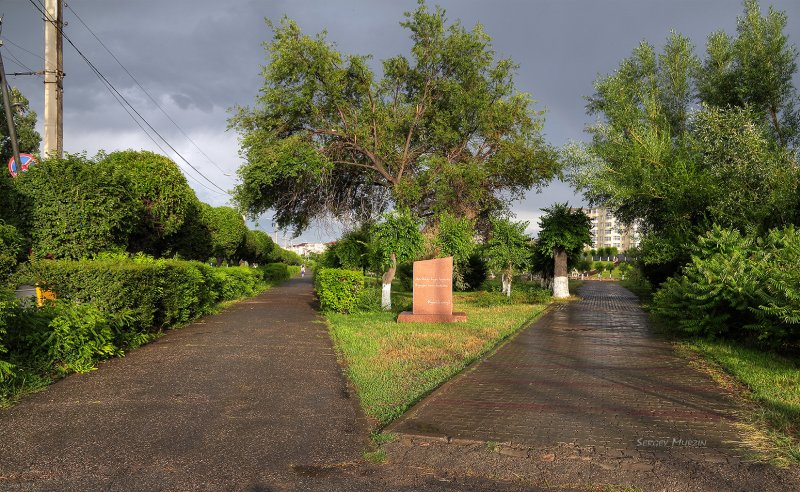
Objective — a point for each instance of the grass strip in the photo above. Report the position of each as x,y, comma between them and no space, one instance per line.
772,381
393,365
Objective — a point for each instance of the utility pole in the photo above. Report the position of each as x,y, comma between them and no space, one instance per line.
12,131
53,79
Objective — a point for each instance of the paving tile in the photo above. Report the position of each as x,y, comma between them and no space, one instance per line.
589,372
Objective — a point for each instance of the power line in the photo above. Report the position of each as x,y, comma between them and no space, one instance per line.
119,97
146,91
23,49
13,59
19,63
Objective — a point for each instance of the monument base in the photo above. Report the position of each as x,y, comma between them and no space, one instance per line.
410,317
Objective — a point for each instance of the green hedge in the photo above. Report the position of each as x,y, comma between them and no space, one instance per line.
104,307
151,294
279,272
338,290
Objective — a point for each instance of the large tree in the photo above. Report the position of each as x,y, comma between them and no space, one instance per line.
441,129
11,203
682,143
563,232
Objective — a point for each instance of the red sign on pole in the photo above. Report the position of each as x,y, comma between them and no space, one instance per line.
26,160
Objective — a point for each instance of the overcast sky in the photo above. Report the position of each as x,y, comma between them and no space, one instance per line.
199,58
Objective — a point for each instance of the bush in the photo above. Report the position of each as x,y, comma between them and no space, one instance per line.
6,314
369,300
276,272
11,246
738,285
236,282
152,294
80,335
405,274
338,290
521,293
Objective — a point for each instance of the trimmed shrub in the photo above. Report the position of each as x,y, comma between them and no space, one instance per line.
276,272
151,294
338,290
279,272
369,300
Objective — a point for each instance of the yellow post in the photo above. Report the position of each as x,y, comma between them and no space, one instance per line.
44,295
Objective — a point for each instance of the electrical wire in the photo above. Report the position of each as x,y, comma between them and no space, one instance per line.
209,159
23,49
119,97
13,59
19,63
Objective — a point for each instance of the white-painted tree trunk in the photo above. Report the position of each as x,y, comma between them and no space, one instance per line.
386,297
561,287
560,278
506,280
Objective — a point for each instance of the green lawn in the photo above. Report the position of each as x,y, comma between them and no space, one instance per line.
772,381
394,365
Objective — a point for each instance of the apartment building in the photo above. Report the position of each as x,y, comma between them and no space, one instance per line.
303,249
608,231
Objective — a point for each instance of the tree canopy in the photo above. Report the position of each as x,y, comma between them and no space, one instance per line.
563,233
227,230
683,143
160,191
28,138
397,234
441,129
563,229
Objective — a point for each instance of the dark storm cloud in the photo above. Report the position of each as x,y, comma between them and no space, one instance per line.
198,58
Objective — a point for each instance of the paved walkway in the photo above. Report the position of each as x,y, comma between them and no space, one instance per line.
253,399
234,401
249,399
587,373
587,395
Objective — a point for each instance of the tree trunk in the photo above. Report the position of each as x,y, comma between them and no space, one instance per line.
560,280
386,297
506,278
386,290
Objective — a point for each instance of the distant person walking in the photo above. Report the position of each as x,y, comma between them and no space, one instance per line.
302,270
